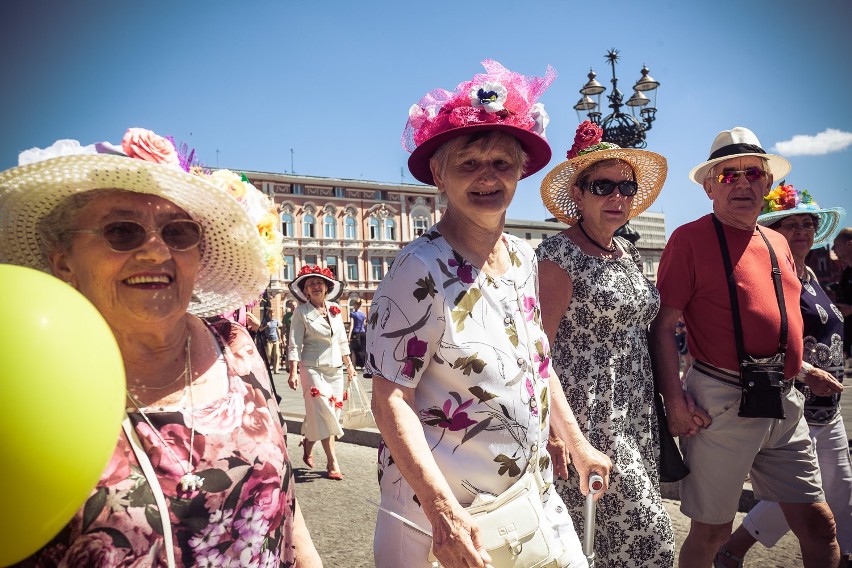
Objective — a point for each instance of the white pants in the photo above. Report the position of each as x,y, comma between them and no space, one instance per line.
396,544
766,523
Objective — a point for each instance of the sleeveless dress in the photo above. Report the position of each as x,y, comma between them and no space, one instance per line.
601,356
242,516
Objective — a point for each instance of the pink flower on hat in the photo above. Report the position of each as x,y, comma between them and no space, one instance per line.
588,134
145,144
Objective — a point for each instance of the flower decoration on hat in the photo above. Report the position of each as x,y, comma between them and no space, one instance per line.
786,197
261,210
498,96
309,270
588,139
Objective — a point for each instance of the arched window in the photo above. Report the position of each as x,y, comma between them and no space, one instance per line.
308,226
390,230
287,224
329,230
375,233
350,232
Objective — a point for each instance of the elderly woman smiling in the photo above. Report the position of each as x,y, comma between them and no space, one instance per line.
463,390
200,474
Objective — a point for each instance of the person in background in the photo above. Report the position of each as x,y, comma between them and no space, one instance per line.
289,308
682,344
843,249
721,447
271,328
807,226
200,474
358,333
596,305
463,388
319,349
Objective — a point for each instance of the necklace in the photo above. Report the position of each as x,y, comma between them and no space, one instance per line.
179,377
611,248
190,481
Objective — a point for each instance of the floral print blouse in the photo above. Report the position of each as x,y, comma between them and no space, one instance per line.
473,349
243,514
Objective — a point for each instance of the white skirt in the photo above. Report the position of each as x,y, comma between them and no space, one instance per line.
322,389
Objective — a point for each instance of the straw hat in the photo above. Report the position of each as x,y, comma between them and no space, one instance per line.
497,100
786,200
233,270
649,168
734,143
298,284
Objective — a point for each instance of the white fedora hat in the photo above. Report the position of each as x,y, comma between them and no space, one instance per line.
738,141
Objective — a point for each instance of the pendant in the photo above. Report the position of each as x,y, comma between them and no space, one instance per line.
191,482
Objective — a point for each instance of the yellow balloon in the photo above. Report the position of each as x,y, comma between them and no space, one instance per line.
62,395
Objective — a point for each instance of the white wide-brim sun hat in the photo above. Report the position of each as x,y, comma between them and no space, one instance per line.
233,271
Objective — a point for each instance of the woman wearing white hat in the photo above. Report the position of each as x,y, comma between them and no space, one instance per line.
596,305
318,350
156,248
807,226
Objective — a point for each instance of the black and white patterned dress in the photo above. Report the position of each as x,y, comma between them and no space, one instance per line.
601,356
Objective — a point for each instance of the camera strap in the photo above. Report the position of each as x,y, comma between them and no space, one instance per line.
732,290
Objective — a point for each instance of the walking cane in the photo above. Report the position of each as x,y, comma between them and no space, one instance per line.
595,486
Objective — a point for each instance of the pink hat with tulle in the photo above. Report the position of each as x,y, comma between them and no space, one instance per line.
496,100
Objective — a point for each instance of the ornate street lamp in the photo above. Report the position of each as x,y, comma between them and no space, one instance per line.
626,130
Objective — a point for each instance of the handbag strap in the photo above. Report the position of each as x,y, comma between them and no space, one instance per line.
732,290
361,396
532,465
154,484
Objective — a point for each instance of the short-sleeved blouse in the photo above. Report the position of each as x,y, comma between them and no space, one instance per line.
242,516
473,349
823,348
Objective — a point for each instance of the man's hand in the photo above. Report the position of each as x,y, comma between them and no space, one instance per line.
684,416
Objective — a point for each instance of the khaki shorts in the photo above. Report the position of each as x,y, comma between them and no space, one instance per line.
779,454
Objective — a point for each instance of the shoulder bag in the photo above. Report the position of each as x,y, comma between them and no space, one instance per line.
761,378
357,414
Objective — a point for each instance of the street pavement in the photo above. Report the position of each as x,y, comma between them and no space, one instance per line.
341,520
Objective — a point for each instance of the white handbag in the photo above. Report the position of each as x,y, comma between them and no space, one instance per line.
357,414
513,526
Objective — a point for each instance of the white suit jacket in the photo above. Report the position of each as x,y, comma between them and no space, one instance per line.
313,341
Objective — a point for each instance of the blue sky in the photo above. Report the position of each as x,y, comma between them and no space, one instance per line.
245,82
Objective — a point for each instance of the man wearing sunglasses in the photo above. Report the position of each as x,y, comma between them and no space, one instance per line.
776,452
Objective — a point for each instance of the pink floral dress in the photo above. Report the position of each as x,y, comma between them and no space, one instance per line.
473,349
243,515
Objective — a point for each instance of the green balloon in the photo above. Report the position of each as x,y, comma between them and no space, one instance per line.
62,400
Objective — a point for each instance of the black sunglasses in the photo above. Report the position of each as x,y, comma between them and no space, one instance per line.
126,236
606,186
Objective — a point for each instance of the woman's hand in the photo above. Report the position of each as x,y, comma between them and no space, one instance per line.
588,460
558,455
293,381
456,537
821,383
350,371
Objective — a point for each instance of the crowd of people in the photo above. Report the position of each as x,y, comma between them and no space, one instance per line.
494,366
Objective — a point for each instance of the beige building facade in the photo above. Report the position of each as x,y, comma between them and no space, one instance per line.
356,228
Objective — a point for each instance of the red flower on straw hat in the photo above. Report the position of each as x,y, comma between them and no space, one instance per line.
588,134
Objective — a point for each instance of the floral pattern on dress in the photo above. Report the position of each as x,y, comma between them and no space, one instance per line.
472,347
242,516
601,356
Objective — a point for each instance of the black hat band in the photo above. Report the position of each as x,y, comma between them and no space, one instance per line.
732,149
